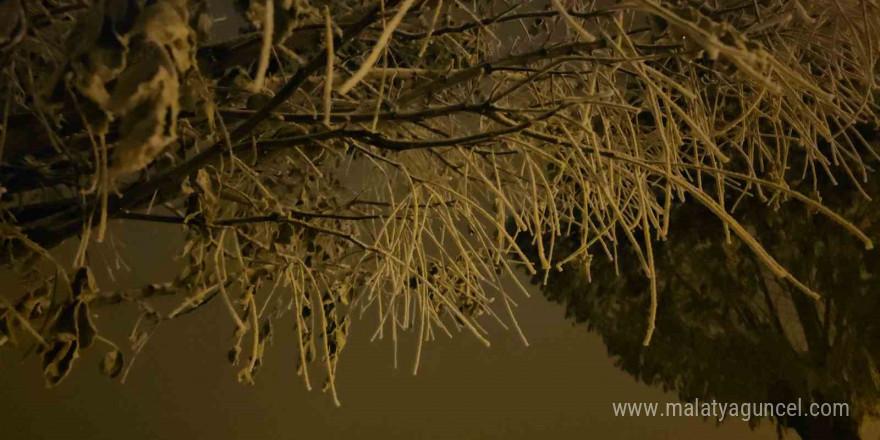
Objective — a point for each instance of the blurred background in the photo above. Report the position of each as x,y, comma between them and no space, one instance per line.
181,386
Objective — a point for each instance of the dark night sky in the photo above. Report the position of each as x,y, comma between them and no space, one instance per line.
182,387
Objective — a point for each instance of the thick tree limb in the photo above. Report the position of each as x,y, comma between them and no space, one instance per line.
72,221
